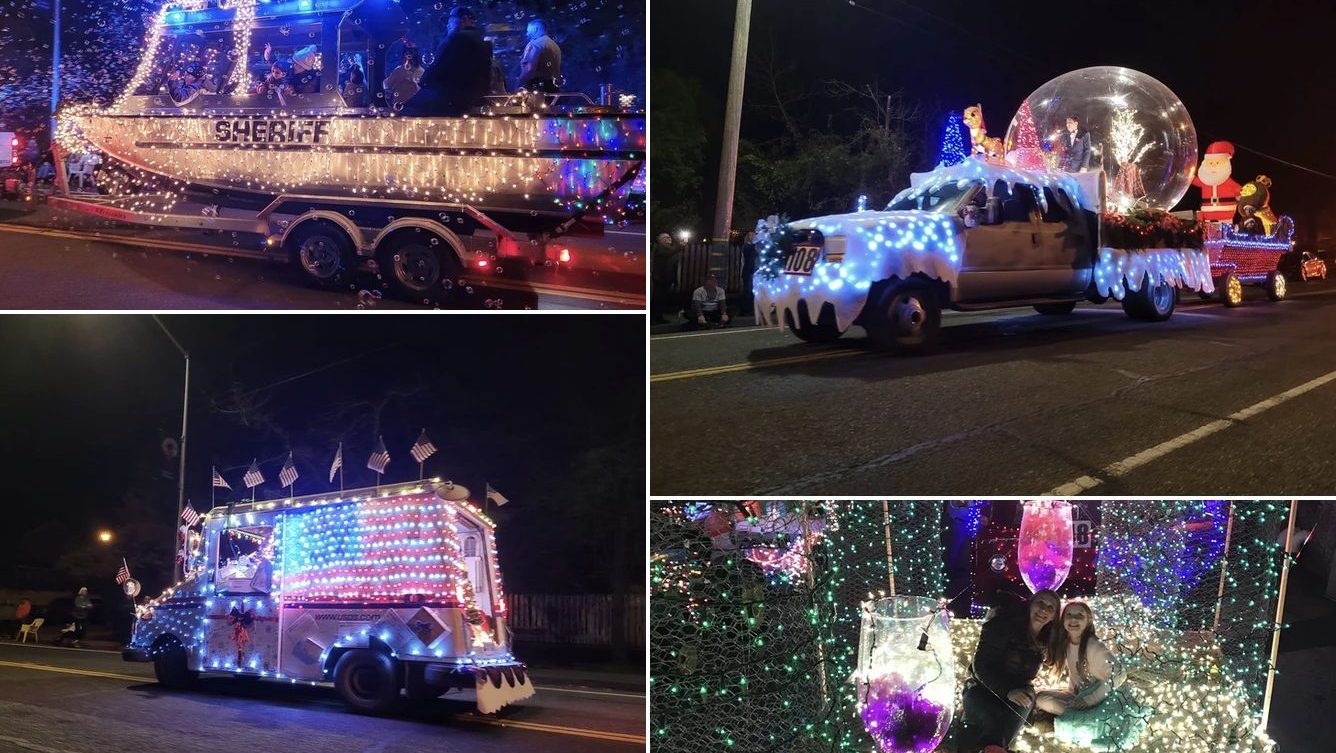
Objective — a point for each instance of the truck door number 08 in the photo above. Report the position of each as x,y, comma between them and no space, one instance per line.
801,260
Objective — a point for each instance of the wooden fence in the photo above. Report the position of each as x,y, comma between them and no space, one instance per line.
576,620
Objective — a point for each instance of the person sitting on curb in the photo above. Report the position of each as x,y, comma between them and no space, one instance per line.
708,305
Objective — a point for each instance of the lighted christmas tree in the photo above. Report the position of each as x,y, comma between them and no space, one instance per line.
953,150
1025,151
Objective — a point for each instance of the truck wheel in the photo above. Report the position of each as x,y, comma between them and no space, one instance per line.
823,331
907,317
367,681
415,263
1276,289
416,686
1055,309
1231,290
1152,303
169,665
324,252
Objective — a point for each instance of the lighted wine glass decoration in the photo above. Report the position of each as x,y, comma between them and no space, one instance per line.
906,676
1044,551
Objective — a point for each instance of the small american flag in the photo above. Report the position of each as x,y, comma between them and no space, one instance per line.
189,515
337,464
219,481
422,448
380,458
288,475
253,477
123,574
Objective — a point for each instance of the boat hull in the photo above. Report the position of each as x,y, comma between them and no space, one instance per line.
549,164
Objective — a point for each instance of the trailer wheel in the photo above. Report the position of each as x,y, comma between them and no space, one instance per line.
416,686
906,317
1055,309
367,681
1231,289
1152,303
824,330
169,665
1276,289
324,252
415,263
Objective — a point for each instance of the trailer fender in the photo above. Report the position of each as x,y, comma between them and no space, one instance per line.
345,224
429,225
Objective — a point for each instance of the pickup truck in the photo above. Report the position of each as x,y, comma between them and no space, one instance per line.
966,237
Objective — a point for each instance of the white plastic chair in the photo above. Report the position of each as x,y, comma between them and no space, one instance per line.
31,628
81,169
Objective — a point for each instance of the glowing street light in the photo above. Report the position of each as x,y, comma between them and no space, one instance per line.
104,536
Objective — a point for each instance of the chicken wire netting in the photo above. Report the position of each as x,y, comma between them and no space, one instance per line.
755,616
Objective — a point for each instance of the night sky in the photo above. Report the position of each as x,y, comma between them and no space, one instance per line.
1251,73
549,409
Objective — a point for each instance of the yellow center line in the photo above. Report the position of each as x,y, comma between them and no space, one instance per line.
533,726
762,364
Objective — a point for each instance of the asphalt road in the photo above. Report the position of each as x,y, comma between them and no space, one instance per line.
1215,401
56,262
70,701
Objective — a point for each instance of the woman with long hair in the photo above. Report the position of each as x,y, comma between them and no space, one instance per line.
1000,694
1091,711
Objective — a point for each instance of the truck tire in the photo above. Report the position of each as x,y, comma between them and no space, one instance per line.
1276,289
1231,290
1055,309
824,330
416,264
169,666
1152,303
367,681
324,252
906,318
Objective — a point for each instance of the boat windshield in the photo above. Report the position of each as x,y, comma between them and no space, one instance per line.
942,198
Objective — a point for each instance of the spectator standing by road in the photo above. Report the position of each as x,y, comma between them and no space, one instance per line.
82,606
663,275
708,304
460,75
540,67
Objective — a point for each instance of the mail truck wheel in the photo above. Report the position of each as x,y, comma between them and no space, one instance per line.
324,252
367,681
169,665
906,318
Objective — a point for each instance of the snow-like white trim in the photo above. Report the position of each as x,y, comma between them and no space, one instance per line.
499,687
1121,270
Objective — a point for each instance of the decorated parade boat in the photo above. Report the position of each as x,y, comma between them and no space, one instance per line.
373,589
201,110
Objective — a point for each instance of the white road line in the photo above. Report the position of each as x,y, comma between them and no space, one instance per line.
731,331
1151,454
30,745
590,692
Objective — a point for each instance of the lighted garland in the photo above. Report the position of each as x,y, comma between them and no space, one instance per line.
773,237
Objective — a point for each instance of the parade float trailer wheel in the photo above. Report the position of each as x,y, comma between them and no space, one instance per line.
1055,309
169,664
907,317
367,681
1276,287
1151,303
823,331
324,252
1231,289
417,264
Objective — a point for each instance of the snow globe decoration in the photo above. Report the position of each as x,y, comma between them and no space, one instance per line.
1140,134
906,676
1044,549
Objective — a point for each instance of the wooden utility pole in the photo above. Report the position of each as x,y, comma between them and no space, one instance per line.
728,161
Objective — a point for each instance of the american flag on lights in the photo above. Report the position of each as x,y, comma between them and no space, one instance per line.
380,457
123,574
253,477
189,515
288,476
220,482
383,549
422,448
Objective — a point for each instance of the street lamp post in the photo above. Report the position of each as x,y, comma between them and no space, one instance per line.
728,161
181,471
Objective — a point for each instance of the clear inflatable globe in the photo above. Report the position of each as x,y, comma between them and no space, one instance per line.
1140,134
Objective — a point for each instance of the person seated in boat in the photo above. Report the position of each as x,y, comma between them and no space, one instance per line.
354,90
461,74
304,64
184,85
540,68
275,84
402,83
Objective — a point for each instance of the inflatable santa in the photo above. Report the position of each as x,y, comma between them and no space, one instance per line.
1219,193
